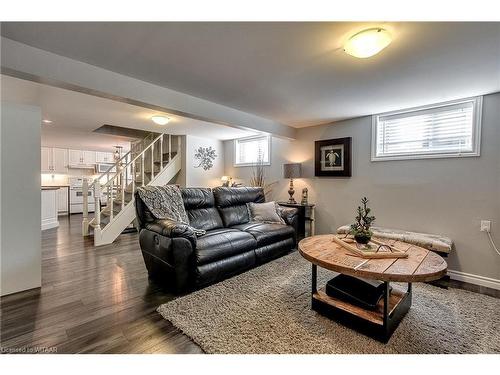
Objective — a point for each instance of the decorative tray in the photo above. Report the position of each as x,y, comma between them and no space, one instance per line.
373,250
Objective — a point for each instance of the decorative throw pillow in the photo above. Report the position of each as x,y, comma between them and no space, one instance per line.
265,212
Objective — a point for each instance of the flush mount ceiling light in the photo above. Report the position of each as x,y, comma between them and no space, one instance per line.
47,121
160,120
367,43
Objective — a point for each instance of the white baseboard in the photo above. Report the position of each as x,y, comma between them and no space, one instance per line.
49,223
475,279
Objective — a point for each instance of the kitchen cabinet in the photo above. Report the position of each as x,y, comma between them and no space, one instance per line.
82,159
46,156
62,200
104,157
60,160
54,160
49,208
89,157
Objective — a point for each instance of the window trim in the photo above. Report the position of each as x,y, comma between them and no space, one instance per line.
477,103
235,142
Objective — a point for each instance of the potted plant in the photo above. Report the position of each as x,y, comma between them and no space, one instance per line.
361,228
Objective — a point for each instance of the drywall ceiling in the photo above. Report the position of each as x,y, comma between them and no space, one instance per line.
75,116
293,73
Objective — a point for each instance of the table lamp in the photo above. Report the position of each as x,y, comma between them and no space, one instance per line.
291,171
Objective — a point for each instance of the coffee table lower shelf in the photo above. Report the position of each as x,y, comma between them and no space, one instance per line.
378,324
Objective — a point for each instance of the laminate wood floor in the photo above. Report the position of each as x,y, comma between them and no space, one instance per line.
92,300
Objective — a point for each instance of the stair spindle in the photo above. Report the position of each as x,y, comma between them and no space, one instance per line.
169,147
142,168
111,202
123,191
133,179
161,152
152,160
97,206
85,223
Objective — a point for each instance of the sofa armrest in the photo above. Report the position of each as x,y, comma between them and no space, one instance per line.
168,259
172,229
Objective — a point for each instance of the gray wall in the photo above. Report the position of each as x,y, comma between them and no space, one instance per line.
20,223
444,196
197,176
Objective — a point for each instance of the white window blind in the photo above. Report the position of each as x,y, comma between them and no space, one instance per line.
249,151
444,130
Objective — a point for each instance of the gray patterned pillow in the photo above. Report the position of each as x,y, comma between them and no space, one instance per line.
264,212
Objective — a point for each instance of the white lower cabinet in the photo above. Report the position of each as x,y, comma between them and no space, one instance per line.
49,208
62,200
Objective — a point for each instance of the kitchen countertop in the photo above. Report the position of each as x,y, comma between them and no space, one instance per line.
50,187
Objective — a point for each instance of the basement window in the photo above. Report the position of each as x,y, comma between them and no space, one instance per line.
252,150
451,129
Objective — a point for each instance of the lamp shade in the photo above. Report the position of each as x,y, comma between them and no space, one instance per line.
292,170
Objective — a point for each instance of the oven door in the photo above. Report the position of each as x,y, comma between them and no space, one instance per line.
76,196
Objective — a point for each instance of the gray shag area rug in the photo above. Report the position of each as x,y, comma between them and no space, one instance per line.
267,310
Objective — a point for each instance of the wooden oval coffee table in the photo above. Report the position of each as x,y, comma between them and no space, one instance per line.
420,265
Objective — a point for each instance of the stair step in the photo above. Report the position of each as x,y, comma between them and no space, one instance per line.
128,189
118,201
107,211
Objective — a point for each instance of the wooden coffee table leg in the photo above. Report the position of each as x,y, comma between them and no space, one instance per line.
387,291
314,277
392,319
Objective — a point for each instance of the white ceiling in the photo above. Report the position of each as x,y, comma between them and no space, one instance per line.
75,115
294,73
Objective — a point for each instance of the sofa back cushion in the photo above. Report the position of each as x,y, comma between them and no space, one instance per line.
232,203
200,208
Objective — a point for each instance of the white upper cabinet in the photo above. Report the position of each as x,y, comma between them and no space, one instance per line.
75,157
54,160
89,157
82,159
46,159
104,157
60,160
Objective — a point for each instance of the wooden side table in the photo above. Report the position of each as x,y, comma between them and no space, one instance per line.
305,218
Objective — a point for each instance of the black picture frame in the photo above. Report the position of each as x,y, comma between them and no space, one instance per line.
332,157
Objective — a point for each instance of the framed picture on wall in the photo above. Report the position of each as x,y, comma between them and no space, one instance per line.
332,157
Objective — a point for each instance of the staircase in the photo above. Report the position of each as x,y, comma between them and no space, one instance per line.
154,160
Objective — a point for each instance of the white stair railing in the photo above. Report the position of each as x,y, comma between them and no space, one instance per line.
124,182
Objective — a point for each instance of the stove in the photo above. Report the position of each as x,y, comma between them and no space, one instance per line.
76,195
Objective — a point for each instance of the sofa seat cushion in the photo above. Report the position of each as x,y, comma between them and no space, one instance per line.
266,233
223,243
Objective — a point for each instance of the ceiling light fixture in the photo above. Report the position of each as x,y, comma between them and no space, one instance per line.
367,43
160,120
47,121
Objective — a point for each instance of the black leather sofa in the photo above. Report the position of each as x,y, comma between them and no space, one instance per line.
175,257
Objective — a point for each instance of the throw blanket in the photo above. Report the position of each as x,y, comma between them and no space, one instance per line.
427,241
165,202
